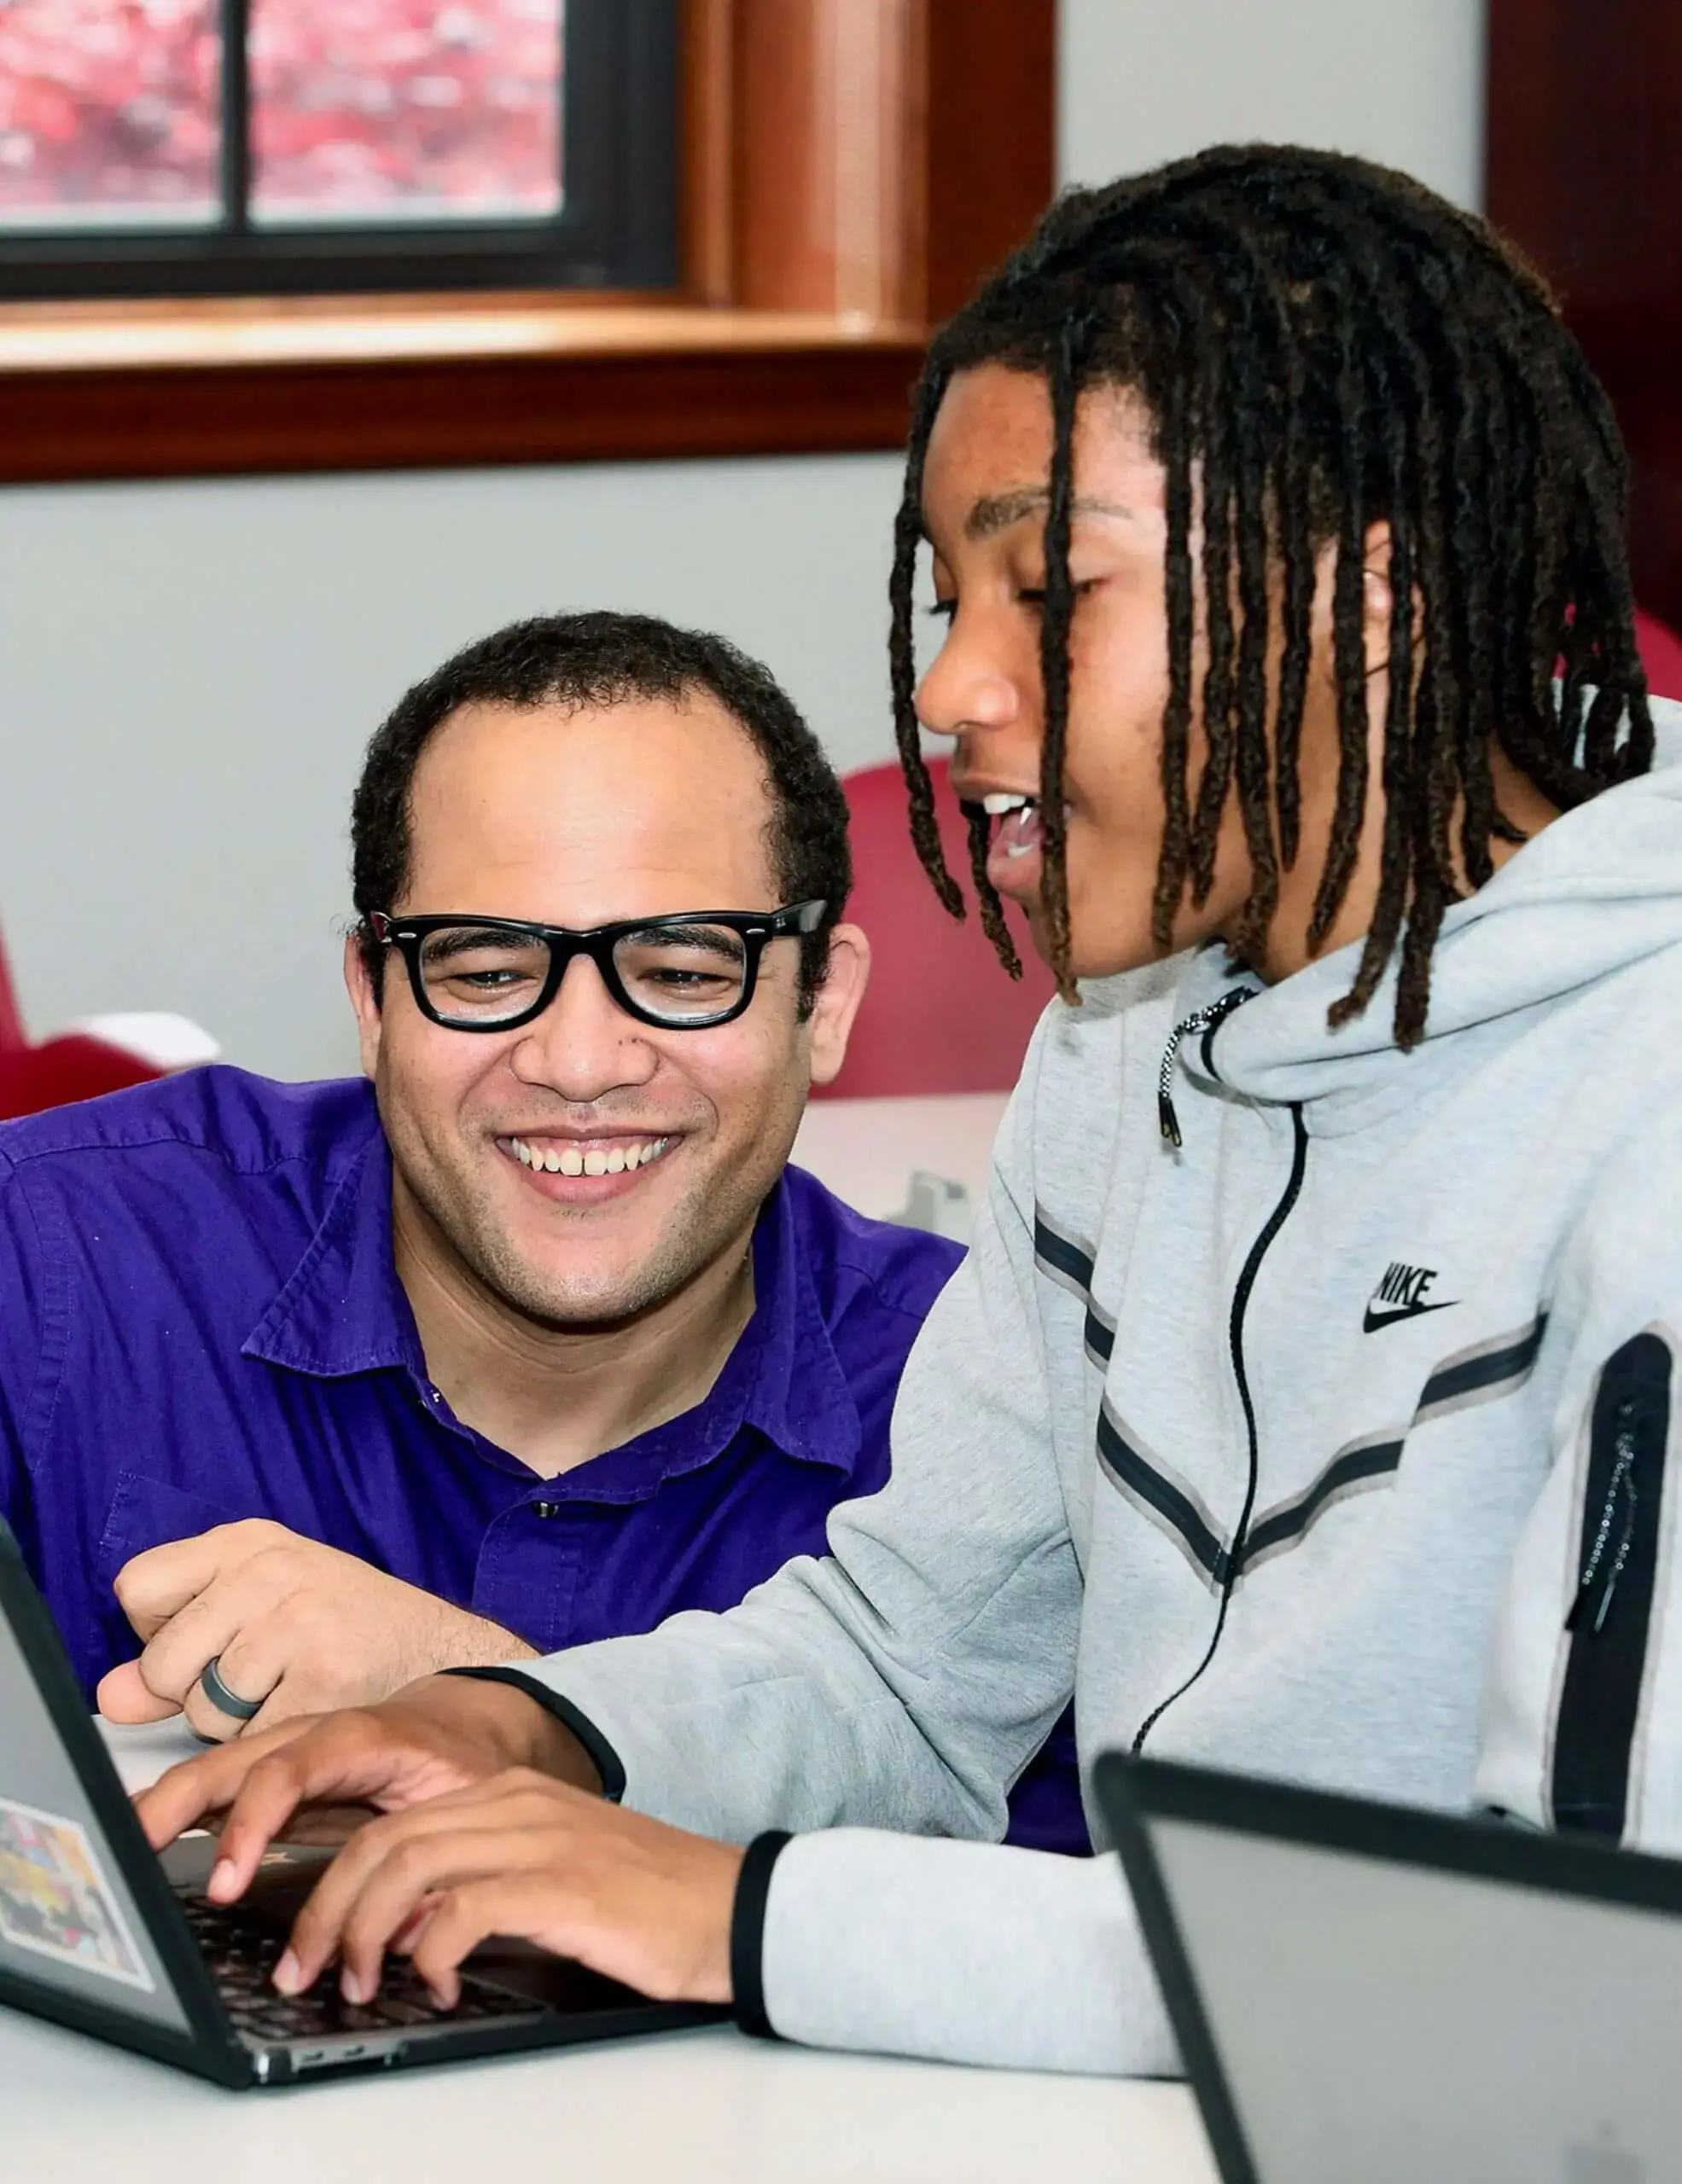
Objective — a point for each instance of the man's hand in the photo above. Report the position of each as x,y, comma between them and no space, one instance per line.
527,1857
316,1781
295,1624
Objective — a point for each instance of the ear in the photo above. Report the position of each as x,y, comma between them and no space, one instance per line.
365,1002
830,1023
1378,599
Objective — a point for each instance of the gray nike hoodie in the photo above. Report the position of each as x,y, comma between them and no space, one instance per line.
1334,1444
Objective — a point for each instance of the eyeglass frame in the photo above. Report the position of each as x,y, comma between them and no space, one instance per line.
565,943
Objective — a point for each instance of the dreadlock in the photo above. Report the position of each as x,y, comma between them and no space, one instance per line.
1320,345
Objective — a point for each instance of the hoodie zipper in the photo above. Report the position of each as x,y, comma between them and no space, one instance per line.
1205,1021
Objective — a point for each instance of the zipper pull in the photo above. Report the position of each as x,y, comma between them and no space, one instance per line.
1201,1019
1627,1417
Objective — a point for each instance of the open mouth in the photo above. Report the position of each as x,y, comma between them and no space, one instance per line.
1015,861
552,1156
1018,832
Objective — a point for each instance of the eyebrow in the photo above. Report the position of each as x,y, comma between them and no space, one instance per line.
996,512
702,939
468,939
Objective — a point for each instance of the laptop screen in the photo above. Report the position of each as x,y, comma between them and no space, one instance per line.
1390,2022
67,1919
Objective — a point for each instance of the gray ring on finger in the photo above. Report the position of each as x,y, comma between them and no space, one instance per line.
225,1701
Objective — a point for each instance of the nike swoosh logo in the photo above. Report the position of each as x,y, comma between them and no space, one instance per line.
1374,1321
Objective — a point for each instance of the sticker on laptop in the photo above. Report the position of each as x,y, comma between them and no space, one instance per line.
55,1900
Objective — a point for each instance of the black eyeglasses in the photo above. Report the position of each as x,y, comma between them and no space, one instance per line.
683,973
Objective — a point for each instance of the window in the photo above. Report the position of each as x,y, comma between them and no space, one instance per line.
229,147
843,170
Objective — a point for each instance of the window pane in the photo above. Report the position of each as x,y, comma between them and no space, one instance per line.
404,109
109,112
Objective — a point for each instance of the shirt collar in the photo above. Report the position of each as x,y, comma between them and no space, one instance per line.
799,1397
342,1310
783,1380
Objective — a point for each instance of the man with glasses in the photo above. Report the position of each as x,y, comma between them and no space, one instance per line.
307,1390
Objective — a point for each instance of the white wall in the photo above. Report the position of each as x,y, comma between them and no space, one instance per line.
188,672
1397,80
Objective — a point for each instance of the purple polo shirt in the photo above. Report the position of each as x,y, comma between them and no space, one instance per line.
200,1320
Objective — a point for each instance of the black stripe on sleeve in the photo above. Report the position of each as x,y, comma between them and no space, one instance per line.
599,1753
1617,1570
748,1934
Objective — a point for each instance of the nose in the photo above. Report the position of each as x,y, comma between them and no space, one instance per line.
968,685
584,1045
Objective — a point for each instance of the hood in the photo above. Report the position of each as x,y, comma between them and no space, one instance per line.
1598,889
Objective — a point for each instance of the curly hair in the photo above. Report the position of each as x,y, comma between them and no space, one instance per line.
597,661
1320,345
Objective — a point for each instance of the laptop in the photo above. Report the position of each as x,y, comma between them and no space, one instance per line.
100,1933
1365,1992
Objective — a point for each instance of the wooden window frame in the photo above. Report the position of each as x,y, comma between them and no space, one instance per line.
851,167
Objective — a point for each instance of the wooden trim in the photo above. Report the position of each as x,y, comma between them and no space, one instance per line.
1580,174
851,168
219,394
887,152
708,175
989,162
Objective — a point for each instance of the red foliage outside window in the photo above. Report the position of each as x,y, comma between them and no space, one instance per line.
377,109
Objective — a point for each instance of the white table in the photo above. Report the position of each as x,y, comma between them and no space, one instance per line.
866,1151
702,2107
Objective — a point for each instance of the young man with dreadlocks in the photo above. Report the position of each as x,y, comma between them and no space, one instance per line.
1305,1402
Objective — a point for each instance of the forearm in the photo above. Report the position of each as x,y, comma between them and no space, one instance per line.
806,1707
960,1952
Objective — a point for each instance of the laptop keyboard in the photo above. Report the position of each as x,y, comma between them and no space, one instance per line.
242,1950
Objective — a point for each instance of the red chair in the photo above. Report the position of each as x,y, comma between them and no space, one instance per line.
940,1015
106,1054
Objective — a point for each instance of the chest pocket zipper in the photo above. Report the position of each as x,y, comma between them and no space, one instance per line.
1595,1590
1609,1618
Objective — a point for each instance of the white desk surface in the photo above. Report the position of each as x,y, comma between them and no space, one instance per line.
866,1150
703,2107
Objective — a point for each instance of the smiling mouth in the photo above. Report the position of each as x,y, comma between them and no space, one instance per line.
618,1156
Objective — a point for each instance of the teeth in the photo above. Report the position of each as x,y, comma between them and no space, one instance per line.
996,807
572,1160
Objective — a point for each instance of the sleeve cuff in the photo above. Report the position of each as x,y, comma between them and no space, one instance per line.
747,1934
602,1757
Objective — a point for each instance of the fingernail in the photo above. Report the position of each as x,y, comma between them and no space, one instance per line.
288,1974
350,1987
223,1878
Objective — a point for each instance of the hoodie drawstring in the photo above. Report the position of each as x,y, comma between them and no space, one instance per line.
1201,1019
